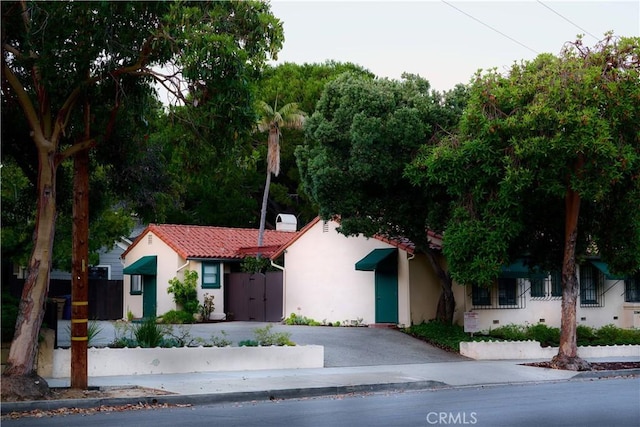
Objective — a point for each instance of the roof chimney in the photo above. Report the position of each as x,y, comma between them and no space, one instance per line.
286,222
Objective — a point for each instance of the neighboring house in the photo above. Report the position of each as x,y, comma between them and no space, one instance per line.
109,265
163,252
520,297
330,277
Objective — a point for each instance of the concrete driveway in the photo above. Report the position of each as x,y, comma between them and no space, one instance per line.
343,346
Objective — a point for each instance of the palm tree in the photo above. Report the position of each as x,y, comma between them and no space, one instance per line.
271,119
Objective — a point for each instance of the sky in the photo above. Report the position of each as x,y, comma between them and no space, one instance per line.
445,42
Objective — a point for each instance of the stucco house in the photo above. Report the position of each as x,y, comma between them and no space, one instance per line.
520,297
164,251
330,277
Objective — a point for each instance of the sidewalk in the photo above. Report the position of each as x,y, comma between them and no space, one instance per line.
219,387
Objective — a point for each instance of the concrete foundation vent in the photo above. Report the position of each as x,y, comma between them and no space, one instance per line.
286,222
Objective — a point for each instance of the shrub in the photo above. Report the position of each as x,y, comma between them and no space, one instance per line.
610,335
185,293
93,329
220,341
440,334
294,319
586,335
265,337
177,317
546,336
248,343
207,307
149,334
510,332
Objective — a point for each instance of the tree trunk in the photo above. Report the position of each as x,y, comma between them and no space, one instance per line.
80,271
446,303
567,357
263,211
21,362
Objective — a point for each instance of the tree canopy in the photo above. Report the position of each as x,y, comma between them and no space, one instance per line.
551,125
546,166
70,68
362,136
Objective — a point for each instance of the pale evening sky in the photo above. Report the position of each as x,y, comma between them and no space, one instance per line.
445,42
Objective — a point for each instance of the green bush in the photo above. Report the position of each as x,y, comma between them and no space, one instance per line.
510,333
294,319
545,335
185,293
149,334
586,335
449,336
177,317
248,343
265,337
93,329
610,335
439,334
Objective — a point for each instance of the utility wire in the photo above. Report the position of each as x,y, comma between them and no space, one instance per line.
489,26
568,20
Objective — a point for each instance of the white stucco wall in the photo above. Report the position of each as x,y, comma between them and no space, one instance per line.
169,265
321,281
548,311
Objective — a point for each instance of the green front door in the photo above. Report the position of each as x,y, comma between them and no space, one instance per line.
386,296
149,301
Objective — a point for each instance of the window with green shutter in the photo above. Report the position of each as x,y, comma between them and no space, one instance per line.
210,275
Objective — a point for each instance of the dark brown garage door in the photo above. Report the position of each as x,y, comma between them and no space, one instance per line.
254,297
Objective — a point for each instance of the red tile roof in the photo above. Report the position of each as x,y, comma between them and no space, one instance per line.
407,245
196,241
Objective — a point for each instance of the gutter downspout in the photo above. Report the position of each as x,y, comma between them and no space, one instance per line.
183,266
284,287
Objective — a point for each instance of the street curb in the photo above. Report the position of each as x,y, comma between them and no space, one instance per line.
608,374
264,395
213,398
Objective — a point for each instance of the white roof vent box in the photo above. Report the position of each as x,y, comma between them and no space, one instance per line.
286,222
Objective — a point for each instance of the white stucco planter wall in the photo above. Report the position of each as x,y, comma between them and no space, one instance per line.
140,361
514,350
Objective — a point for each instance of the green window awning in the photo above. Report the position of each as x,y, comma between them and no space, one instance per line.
145,266
518,270
375,257
604,268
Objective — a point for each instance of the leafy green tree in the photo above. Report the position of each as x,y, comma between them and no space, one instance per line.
271,120
301,84
546,166
362,136
70,67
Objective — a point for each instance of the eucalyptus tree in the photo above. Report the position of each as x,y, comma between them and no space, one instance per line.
361,138
546,165
71,67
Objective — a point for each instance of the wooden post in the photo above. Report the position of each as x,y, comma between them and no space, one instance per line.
80,267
